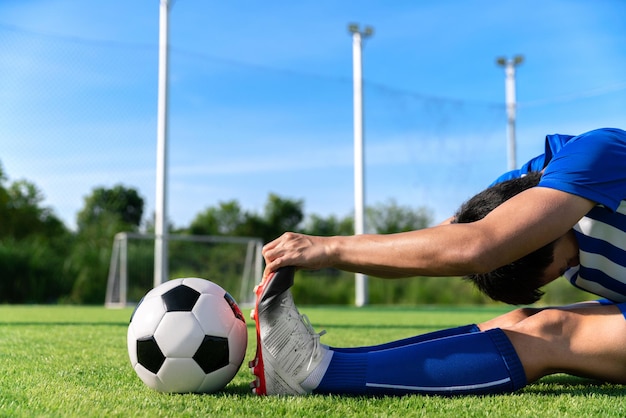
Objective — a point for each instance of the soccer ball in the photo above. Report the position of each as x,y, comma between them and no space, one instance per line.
187,335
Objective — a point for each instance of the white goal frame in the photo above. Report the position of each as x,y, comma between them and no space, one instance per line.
117,282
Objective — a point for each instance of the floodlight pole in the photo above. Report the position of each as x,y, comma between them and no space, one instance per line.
509,84
359,199
161,265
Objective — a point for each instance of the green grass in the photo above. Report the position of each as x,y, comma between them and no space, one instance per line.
72,361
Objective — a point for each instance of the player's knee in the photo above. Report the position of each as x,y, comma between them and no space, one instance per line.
523,313
550,324
509,319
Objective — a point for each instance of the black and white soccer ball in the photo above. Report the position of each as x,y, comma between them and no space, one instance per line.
187,335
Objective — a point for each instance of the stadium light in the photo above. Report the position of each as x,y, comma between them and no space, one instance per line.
161,266
359,199
509,84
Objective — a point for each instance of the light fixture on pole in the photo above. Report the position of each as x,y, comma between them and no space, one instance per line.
509,84
161,266
359,195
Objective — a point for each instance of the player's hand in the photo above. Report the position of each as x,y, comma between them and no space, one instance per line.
298,250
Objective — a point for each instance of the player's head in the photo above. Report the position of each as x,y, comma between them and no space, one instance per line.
519,282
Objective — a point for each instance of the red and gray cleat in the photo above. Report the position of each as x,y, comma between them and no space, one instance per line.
288,349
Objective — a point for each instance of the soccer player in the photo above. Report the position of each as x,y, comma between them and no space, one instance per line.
562,214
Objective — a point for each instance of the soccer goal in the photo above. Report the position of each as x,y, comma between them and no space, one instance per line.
235,263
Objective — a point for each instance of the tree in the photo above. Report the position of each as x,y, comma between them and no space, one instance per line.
23,214
317,225
4,196
226,219
34,245
106,212
91,256
280,215
121,202
391,218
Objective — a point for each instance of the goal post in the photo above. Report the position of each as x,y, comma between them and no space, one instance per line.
235,263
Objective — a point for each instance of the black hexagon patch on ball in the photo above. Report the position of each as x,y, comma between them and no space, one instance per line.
212,354
180,299
149,354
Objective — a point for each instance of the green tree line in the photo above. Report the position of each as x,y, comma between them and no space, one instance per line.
43,261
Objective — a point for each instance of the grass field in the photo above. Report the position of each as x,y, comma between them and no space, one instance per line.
72,361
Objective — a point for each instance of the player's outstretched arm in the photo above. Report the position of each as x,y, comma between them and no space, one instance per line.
519,226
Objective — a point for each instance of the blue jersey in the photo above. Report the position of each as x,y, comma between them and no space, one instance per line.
593,166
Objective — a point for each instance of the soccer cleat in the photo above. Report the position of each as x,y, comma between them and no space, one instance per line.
288,349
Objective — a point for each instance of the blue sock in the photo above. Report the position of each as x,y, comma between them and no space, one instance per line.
474,363
449,332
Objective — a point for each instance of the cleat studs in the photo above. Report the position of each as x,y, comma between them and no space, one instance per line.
254,385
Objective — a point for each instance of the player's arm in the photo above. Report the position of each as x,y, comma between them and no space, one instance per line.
519,226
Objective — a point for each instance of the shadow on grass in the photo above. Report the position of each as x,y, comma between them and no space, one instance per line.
556,385
563,384
242,389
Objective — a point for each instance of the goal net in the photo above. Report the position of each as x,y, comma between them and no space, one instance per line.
235,263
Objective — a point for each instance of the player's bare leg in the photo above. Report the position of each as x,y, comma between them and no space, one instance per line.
586,340
513,317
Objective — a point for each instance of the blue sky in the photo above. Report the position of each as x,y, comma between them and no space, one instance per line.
261,96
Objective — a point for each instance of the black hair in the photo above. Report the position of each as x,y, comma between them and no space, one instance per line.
519,282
